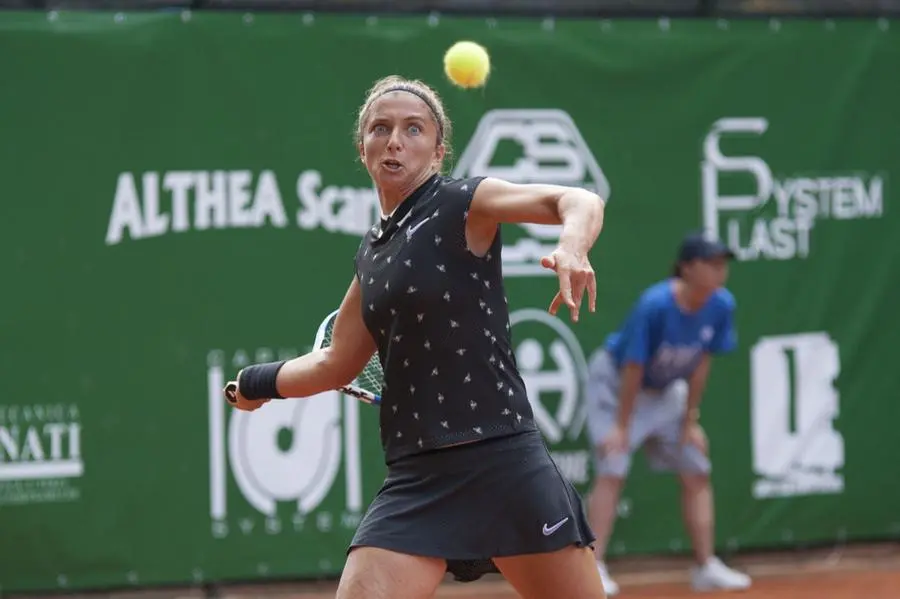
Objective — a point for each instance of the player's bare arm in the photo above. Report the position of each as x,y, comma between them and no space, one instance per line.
696,387
323,369
692,432
580,212
331,367
632,377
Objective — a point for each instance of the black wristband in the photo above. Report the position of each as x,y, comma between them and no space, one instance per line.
258,380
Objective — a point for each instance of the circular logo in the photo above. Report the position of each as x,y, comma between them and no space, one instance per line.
553,366
287,451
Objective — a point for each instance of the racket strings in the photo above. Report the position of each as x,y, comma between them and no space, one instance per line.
371,377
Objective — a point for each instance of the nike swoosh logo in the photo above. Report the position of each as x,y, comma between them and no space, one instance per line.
411,230
549,530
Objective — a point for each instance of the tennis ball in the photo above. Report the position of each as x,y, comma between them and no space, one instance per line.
467,64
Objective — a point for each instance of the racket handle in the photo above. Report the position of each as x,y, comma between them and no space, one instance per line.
231,392
369,398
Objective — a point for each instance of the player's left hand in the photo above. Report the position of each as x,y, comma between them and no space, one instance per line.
693,434
575,277
233,396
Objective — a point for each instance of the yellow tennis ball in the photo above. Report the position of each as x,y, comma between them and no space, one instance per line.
467,64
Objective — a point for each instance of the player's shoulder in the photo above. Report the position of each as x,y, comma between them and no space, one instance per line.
657,295
459,184
455,193
652,301
723,300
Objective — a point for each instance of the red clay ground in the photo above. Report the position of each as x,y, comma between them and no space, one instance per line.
871,572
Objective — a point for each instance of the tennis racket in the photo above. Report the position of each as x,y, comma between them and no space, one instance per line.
365,387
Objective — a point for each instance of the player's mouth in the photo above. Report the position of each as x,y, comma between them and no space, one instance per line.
391,165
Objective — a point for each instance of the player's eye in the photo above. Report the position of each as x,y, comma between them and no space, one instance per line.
415,129
379,129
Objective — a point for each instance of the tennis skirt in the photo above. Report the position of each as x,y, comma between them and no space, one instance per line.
470,503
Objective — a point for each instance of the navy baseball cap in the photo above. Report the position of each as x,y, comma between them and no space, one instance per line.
697,246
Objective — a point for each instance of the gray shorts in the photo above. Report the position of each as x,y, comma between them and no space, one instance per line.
655,424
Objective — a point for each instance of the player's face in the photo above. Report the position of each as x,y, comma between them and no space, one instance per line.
399,142
709,275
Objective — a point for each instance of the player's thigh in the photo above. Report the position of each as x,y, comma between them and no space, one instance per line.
601,408
600,423
602,419
570,572
666,452
374,573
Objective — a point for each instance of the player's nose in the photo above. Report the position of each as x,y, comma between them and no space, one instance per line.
394,141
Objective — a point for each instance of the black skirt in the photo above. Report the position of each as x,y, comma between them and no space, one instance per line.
470,503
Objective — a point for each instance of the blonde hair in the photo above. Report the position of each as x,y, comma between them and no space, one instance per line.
393,83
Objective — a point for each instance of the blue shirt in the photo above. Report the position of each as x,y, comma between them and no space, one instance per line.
668,342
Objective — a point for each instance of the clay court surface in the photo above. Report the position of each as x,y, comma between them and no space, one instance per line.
871,572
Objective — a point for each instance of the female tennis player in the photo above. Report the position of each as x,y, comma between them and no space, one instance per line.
471,487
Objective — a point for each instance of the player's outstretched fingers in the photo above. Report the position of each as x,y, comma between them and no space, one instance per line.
592,291
565,289
556,303
579,286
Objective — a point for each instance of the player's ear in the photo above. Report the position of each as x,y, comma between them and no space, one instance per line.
439,152
362,152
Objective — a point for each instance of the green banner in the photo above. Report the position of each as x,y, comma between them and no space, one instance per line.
183,197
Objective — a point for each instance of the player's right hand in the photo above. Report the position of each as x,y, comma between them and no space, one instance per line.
576,276
233,396
616,441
